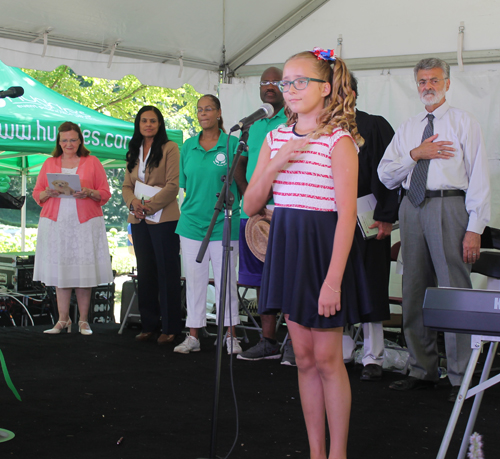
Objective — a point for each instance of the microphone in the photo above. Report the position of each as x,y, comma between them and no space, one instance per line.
265,111
12,92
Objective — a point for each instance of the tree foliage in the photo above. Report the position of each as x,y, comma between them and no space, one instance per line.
123,98
115,211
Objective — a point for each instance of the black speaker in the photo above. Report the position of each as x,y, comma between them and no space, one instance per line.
102,304
127,294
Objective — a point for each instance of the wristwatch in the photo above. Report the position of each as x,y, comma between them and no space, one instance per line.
92,193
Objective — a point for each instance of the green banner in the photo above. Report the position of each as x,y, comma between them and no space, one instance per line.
28,126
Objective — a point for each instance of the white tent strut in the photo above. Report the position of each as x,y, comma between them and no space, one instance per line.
181,65
460,47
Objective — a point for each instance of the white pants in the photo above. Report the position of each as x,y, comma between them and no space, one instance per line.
197,276
373,342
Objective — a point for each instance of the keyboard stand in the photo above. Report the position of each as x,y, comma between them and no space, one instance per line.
477,342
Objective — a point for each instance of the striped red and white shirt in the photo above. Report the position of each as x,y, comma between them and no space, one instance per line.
307,181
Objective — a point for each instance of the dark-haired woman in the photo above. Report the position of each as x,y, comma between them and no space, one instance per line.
72,248
154,160
203,163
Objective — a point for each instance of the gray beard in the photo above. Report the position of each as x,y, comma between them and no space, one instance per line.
432,99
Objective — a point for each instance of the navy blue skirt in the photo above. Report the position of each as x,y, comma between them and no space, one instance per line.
297,260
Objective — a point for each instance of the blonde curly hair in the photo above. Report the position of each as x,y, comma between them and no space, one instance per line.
339,111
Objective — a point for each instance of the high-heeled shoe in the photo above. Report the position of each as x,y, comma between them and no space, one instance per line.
84,328
58,329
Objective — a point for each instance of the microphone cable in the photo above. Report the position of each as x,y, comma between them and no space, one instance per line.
221,319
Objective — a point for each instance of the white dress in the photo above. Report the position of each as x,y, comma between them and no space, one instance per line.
71,254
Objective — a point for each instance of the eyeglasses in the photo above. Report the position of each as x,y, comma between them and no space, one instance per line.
299,83
206,109
268,82
432,81
69,140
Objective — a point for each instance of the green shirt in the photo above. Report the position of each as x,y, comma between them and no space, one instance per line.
256,136
200,175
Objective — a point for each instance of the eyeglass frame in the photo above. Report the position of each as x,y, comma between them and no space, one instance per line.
433,81
268,82
290,83
208,109
72,141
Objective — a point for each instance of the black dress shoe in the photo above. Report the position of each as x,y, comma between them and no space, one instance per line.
453,394
412,383
371,372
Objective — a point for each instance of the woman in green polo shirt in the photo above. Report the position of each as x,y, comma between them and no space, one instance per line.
202,164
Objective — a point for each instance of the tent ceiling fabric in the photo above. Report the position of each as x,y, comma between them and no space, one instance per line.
245,35
150,38
383,28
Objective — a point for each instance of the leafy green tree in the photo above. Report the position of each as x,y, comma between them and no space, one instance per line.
115,211
123,98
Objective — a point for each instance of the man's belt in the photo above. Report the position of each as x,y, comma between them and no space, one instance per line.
438,193
443,193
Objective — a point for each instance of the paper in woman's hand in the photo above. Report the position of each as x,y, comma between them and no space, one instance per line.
66,184
142,190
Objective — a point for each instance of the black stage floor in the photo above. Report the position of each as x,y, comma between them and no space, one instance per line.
81,394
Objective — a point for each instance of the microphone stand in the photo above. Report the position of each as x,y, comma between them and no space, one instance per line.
225,197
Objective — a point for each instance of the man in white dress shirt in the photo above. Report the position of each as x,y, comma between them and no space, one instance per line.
439,159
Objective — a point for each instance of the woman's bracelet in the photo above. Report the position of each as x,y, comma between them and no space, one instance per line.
336,291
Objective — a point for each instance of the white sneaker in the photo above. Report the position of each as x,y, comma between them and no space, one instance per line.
190,344
236,349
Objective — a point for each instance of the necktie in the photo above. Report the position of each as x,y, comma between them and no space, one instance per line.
416,193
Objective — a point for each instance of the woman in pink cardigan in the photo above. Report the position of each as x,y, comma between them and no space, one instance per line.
72,248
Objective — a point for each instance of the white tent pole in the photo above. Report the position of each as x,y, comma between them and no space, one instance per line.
23,209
